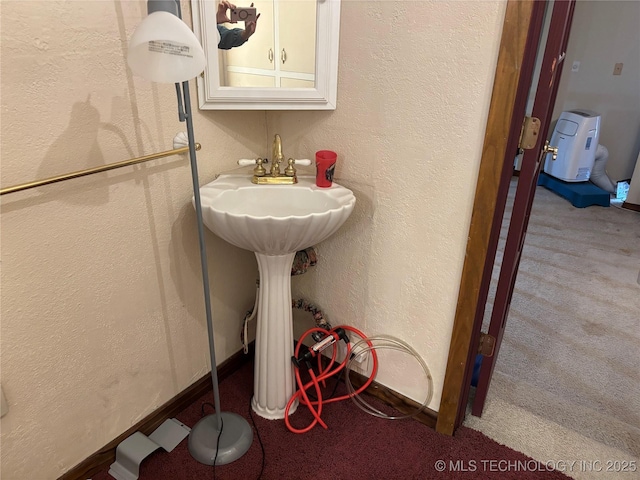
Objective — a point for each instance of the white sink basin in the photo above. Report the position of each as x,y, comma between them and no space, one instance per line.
274,219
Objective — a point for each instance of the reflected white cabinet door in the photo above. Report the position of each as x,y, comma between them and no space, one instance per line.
296,26
302,56
283,47
255,53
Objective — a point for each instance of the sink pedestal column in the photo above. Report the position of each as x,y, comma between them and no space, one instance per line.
273,379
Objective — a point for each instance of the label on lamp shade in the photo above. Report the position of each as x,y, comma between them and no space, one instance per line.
169,48
164,49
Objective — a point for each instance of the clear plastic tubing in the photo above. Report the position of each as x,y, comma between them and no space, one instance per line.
389,343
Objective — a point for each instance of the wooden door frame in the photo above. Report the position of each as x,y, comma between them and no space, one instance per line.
518,47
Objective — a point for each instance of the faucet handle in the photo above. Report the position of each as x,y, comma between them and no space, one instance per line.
245,162
259,170
302,161
290,171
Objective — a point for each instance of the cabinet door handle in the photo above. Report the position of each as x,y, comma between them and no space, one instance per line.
270,56
283,56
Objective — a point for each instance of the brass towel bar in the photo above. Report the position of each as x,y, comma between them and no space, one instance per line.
90,171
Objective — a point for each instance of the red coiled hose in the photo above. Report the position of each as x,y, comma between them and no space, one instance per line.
315,407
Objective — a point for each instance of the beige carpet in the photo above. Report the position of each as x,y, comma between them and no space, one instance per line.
567,380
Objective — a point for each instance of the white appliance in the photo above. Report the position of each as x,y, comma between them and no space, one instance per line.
576,135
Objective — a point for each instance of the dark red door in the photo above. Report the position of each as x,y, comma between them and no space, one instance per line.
552,62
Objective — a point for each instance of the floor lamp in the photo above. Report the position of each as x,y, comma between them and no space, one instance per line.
164,49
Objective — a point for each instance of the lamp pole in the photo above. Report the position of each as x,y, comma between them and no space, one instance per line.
223,437
203,251
187,116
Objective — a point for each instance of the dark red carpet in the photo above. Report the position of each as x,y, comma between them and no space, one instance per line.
356,446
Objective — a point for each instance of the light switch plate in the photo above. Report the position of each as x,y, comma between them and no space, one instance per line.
617,69
576,66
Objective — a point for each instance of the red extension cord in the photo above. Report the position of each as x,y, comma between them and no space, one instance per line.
315,407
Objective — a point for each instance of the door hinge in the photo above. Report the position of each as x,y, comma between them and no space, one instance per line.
487,344
529,133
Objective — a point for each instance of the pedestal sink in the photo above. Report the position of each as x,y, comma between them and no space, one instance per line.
274,222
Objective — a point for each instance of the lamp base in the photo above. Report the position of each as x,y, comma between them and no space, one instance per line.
235,440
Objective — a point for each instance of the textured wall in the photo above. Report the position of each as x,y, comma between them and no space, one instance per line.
603,34
102,307
102,317
413,94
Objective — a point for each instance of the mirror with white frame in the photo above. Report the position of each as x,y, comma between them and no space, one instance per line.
289,63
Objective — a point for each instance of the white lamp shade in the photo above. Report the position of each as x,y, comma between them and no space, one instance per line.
164,49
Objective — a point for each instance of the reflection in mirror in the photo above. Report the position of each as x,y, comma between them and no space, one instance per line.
289,63
281,52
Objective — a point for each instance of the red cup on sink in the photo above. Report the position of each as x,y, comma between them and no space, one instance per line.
325,166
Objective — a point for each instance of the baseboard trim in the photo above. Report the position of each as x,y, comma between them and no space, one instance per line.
631,206
396,400
107,454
